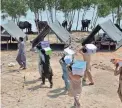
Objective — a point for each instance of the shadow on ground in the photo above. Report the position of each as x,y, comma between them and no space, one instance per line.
57,92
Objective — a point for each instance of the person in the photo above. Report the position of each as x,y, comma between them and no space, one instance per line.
70,26
38,47
47,71
75,86
65,73
118,71
21,57
87,58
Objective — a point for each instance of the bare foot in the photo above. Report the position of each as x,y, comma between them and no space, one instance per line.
91,83
24,68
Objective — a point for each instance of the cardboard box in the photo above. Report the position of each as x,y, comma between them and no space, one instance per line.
69,51
91,48
79,67
48,51
45,44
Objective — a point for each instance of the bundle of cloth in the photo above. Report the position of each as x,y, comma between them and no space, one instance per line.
45,69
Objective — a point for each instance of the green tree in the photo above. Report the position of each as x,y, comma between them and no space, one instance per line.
14,8
36,6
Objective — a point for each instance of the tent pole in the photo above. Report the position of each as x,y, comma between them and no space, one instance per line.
10,39
7,44
57,40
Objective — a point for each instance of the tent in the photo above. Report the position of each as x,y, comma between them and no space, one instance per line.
10,32
110,29
13,30
62,34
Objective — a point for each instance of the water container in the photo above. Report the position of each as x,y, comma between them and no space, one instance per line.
45,44
91,48
68,59
48,50
79,67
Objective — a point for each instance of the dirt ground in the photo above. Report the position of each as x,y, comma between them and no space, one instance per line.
22,89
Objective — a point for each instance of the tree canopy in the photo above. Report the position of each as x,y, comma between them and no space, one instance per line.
17,8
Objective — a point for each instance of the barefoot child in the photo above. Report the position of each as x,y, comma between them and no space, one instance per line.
65,73
47,71
118,71
39,60
75,87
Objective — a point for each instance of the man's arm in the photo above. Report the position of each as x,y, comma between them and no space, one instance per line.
117,72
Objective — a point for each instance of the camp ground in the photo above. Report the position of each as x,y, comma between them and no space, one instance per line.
60,33
112,34
10,34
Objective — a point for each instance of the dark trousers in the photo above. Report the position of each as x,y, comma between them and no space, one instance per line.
49,79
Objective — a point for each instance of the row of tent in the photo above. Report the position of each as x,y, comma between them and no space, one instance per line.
11,29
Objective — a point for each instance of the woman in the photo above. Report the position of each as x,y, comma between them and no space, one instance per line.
118,71
75,87
21,57
47,71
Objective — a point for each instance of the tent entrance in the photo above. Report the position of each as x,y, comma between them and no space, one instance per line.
9,46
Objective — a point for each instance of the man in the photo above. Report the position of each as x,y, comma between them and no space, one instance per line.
21,57
87,58
118,71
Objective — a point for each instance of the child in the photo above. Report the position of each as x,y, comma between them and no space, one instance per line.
65,73
47,71
40,60
75,87
119,72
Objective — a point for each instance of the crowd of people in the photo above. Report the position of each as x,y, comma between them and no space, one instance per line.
73,83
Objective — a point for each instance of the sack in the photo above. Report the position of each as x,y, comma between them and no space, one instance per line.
48,50
45,44
79,67
91,48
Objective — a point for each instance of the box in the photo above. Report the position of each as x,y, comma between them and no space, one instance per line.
48,50
45,44
91,48
68,59
69,51
120,63
79,67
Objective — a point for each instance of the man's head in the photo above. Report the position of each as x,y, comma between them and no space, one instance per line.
43,51
39,47
21,39
84,50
